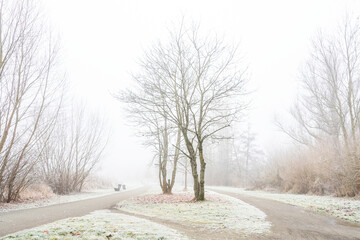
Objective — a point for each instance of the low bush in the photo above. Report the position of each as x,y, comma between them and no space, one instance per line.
36,191
321,170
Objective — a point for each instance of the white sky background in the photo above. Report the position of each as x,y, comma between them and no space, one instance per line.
101,40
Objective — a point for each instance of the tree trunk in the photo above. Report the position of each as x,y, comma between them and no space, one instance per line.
176,158
160,167
202,173
193,164
186,172
165,156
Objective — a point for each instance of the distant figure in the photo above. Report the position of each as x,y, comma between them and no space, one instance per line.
118,188
124,187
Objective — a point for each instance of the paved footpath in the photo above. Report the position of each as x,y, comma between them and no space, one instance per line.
18,220
292,222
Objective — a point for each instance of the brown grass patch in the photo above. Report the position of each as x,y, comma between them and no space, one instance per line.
174,198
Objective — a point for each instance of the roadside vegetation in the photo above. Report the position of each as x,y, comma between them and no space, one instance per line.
49,198
325,127
41,141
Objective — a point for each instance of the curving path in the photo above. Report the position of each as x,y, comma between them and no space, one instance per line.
14,221
292,222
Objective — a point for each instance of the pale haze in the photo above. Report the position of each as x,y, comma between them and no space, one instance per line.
101,42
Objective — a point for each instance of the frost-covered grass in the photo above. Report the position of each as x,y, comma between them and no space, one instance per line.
219,212
58,199
343,208
100,225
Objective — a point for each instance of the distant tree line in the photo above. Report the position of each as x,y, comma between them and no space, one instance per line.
238,161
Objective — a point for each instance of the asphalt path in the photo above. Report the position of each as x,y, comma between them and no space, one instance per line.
288,221
292,222
18,220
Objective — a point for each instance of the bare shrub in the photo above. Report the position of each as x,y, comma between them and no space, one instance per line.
36,191
327,114
311,171
95,181
28,102
73,151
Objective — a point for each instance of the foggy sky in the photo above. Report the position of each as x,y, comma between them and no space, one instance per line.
101,42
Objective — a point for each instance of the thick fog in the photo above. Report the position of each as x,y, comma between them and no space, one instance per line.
102,42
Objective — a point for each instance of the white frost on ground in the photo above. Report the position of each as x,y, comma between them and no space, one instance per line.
58,199
343,208
100,225
231,214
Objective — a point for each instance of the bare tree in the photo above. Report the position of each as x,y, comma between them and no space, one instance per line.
236,161
73,151
27,85
152,122
328,111
195,84
248,157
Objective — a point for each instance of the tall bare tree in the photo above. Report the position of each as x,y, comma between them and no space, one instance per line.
152,122
197,85
27,85
328,111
